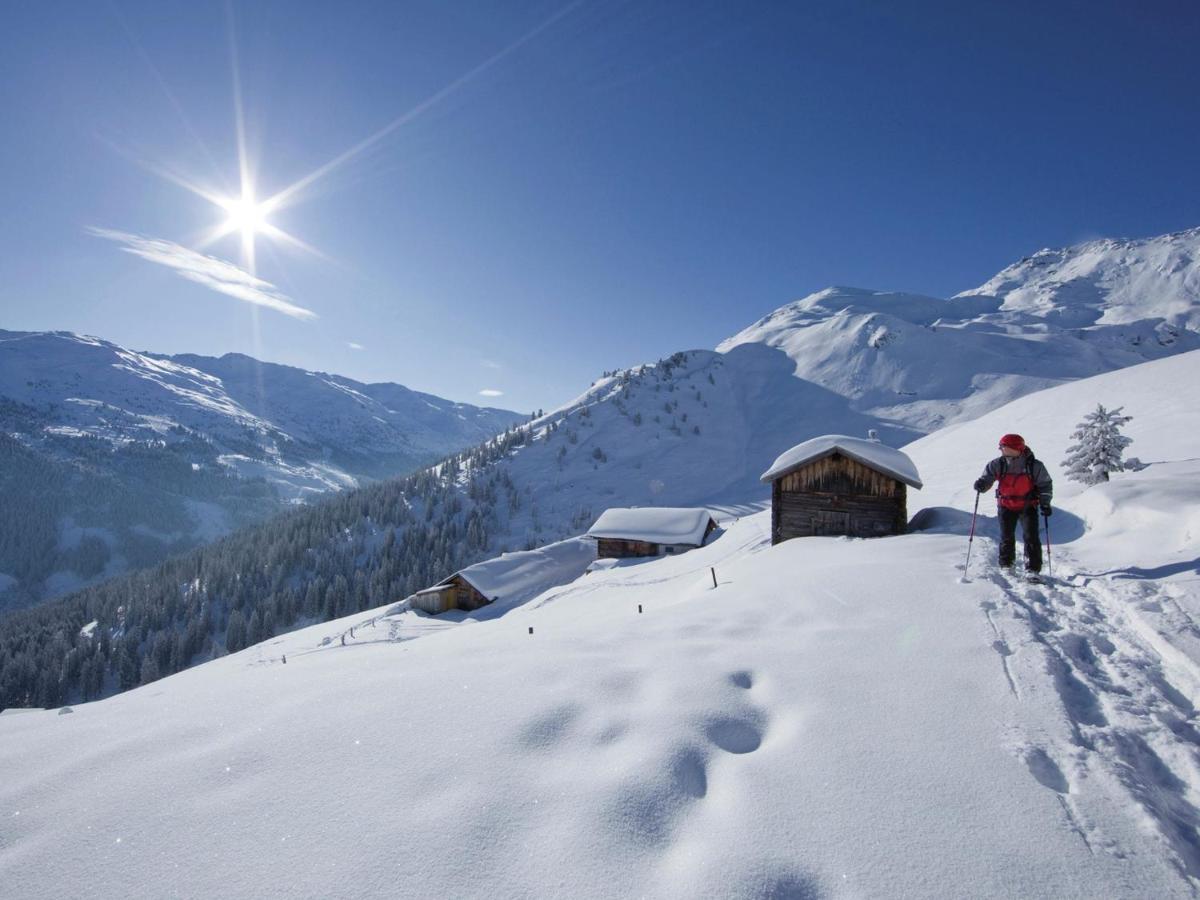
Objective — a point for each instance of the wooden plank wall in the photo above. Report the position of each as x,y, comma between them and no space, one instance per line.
435,603
615,548
839,474
837,495
468,597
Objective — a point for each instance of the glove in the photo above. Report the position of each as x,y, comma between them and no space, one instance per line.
1046,510
981,485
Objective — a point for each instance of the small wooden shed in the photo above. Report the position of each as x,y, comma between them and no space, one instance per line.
511,577
839,485
650,531
456,592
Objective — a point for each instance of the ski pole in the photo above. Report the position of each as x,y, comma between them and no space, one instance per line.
971,539
1049,562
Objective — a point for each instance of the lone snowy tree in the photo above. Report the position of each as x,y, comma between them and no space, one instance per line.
1099,446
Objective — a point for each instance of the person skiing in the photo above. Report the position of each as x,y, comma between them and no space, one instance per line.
1022,487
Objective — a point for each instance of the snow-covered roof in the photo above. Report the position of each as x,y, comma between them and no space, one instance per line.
878,456
529,572
436,589
655,524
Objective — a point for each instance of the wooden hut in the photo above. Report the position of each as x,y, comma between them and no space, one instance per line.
650,531
456,592
512,577
838,485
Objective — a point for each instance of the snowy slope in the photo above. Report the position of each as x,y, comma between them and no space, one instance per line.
838,718
1162,398
1141,527
695,429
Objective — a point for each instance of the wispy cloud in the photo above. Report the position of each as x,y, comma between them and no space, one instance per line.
491,392
355,346
215,274
490,364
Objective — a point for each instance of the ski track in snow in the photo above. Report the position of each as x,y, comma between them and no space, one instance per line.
1128,722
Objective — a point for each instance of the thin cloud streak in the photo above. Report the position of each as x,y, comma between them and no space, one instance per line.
215,274
491,392
355,346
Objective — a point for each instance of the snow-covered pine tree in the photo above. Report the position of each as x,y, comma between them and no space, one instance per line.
1099,446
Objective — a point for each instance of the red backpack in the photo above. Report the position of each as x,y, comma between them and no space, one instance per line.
1016,490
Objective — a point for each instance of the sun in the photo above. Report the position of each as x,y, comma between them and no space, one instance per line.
246,215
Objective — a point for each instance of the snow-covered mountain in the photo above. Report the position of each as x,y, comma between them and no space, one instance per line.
700,426
302,431
1055,316
838,718
130,456
1106,282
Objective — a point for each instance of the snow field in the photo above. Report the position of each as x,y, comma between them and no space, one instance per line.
831,721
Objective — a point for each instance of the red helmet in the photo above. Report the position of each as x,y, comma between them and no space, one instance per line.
1015,441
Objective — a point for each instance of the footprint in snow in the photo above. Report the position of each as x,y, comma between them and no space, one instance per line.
1046,770
548,727
743,679
646,808
610,733
734,734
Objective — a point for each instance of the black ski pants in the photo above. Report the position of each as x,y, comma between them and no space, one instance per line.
1029,531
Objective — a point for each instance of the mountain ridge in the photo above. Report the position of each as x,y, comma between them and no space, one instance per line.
138,455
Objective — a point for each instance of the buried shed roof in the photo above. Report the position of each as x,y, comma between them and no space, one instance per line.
877,456
526,573
654,524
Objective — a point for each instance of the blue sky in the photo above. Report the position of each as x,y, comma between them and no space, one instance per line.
565,188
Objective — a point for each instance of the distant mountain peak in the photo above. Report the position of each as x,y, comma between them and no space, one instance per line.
1052,316
1107,281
